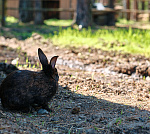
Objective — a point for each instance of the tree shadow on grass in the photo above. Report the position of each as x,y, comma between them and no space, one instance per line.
24,31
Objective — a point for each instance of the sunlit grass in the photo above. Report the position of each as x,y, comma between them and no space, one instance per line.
120,39
56,22
143,24
11,19
124,21
135,41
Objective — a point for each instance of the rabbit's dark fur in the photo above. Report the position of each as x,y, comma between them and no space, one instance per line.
7,68
24,89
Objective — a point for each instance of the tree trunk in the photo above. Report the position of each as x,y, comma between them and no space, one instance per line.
38,16
3,13
25,16
135,14
83,13
111,16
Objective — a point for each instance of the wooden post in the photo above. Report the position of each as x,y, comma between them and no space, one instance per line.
135,15
70,6
149,9
128,7
143,4
3,13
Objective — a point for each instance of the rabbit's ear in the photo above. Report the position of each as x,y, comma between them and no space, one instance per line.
53,61
42,57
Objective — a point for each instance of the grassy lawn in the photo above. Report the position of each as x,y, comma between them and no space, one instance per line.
133,41
120,39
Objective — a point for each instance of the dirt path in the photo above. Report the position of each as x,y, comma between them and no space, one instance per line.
94,95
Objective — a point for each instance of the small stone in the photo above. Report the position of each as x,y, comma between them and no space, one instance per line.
82,116
68,107
97,117
129,90
132,118
111,123
55,119
43,130
133,109
147,96
79,104
18,115
90,131
139,99
42,111
75,110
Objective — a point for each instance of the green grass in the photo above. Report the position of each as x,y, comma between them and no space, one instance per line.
11,20
124,21
126,40
56,22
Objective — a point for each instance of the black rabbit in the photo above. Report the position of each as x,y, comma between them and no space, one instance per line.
23,89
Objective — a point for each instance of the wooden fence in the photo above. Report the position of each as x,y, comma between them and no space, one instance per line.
130,9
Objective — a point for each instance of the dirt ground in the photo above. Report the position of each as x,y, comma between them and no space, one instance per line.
99,91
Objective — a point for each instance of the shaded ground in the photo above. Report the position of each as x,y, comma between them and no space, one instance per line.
99,91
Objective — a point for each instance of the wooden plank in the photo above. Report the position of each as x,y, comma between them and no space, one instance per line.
59,9
43,9
64,5
12,3
107,10
135,15
134,11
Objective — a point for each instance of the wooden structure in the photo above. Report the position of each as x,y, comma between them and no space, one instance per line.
15,4
68,4
130,9
51,4
133,9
